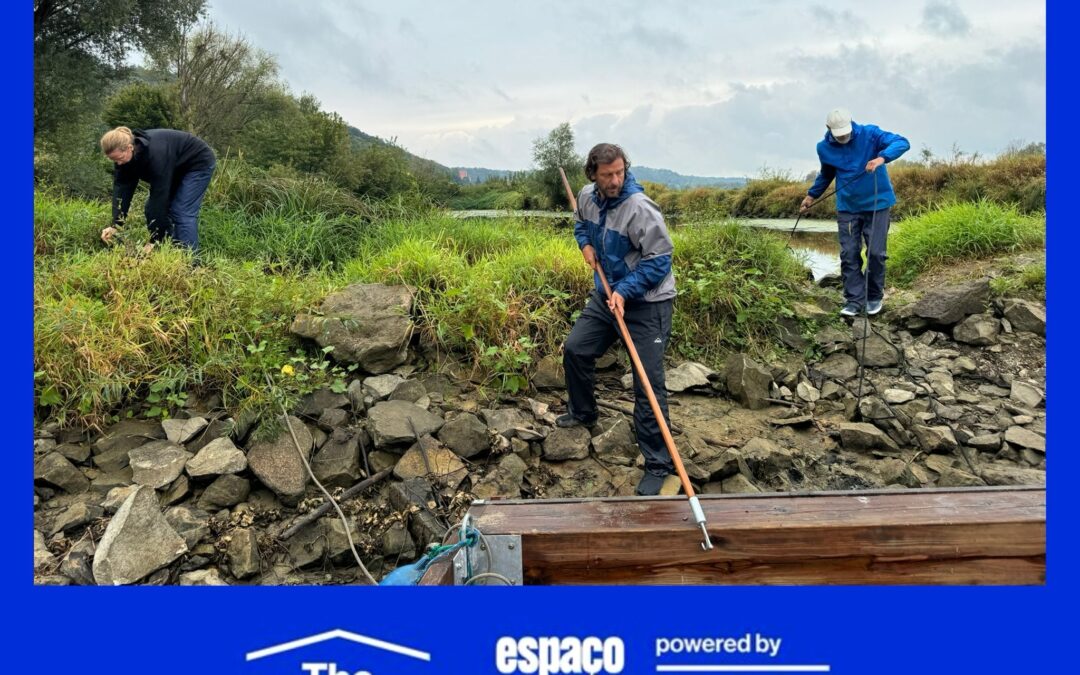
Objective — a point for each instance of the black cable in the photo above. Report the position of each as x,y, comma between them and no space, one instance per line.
866,295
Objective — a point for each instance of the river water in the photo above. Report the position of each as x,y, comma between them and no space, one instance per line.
814,241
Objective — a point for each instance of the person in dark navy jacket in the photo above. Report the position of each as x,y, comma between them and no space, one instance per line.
620,229
177,165
854,156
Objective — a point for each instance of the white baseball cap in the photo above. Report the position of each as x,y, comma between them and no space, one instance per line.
839,122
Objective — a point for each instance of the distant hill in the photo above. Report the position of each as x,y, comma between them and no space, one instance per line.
360,139
677,180
476,174
472,174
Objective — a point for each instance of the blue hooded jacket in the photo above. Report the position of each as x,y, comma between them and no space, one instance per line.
846,163
631,241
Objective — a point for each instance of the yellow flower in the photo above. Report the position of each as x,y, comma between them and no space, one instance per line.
287,370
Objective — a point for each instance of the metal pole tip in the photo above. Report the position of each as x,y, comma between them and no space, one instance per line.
707,544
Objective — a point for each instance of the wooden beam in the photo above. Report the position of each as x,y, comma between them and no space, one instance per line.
954,536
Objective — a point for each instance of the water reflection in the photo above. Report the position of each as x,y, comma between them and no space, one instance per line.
820,251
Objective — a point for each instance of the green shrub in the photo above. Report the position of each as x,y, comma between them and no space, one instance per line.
960,231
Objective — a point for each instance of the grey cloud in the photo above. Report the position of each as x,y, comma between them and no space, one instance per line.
838,22
662,41
944,19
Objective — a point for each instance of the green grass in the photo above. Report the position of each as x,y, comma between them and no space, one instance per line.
960,231
1026,281
112,329
109,326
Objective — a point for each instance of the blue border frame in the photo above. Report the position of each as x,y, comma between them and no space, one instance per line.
854,630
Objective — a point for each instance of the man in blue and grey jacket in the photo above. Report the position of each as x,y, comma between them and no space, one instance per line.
854,155
620,229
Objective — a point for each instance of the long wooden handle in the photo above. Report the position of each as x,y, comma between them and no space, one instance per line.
640,369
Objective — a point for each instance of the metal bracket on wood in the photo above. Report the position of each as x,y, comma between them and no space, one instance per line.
500,553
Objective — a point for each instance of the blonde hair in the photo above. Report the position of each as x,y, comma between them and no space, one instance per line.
117,139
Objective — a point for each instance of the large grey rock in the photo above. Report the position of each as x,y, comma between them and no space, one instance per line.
393,423
839,367
563,444
444,466
897,396
763,458
466,435
137,542
953,477
321,400
862,436
337,463
874,351
616,443
504,481
116,497
549,373
77,564
368,324
1025,439
747,381
379,387
277,464
935,439
807,392
426,528
158,463
128,435
412,492
942,383
182,431
42,555
409,390
54,469
206,577
214,430
1026,316
218,457
986,442
227,490
505,421
1008,473
191,524
397,543
948,305
76,515
77,454
687,376
977,329
243,553
1025,394
355,393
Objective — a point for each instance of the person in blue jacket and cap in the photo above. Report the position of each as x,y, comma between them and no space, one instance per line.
854,156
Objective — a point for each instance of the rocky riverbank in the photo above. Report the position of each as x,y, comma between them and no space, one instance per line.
952,394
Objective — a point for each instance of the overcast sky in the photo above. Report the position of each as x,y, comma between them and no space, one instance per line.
706,88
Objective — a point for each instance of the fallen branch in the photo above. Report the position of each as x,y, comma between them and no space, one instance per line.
323,508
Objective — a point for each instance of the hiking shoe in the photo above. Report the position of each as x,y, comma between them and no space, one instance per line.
650,484
873,307
850,309
566,421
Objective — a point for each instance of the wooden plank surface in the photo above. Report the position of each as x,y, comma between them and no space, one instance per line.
959,536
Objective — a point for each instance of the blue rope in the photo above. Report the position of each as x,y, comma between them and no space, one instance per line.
409,575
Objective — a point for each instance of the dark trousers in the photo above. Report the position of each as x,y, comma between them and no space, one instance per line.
185,205
595,330
869,228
